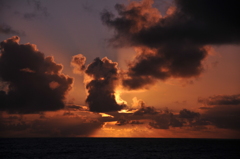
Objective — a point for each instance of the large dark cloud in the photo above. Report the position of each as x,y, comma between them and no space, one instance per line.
35,82
222,110
104,74
212,23
103,78
173,45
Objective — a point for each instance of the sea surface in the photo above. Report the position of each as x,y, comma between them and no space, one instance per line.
126,148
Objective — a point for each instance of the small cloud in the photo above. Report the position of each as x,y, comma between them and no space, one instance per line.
221,100
78,64
6,29
146,110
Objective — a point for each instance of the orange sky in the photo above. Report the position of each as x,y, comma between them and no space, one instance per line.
70,29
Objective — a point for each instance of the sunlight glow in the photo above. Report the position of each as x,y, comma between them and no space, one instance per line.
127,111
106,115
118,98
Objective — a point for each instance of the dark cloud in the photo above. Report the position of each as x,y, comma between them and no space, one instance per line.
101,88
163,119
124,121
189,115
75,107
35,82
222,110
103,77
221,100
200,21
224,116
146,110
211,22
68,125
12,123
3,98
6,29
201,122
173,45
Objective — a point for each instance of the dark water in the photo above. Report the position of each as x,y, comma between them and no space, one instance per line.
118,148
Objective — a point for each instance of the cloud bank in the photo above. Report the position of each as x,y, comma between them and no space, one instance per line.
62,123
222,110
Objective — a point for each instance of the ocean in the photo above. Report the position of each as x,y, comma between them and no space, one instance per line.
113,148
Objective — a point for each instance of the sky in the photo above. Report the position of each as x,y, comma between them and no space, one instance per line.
119,68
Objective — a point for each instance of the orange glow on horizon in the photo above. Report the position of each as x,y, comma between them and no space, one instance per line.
110,129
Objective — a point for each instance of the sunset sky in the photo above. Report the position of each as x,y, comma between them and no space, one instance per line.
119,68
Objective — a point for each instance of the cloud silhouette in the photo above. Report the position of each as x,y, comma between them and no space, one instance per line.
35,82
222,110
101,88
103,78
171,46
